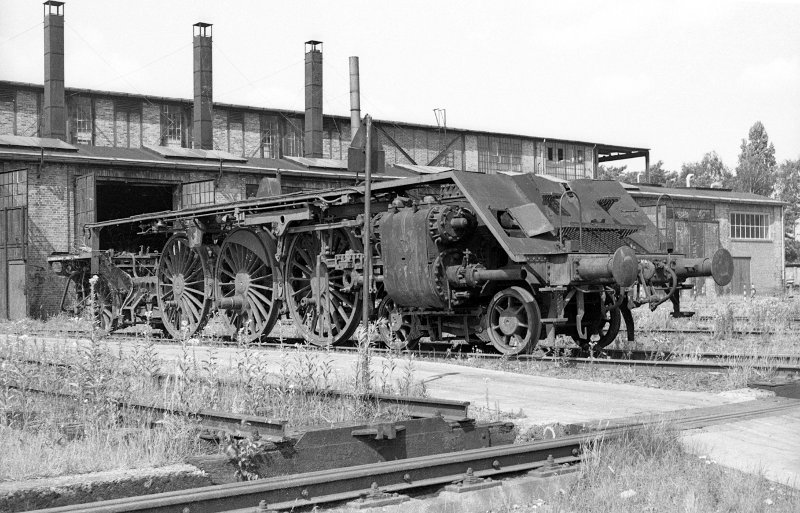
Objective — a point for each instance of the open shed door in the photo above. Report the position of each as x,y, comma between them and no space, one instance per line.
13,246
85,208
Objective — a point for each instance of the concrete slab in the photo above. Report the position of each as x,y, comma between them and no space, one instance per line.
767,445
538,400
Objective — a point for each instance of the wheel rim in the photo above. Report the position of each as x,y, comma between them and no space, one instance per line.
514,321
602,330
245,277
104,305
321,305
183,288
397,331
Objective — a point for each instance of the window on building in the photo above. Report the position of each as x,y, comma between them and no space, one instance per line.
293,137
270,137
198,193
250,190
496,154
172,125
561,154
749,226
550,153
80,120
580,156
14,188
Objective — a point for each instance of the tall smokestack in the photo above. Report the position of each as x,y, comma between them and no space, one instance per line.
203,129
54,123
355,97
313,143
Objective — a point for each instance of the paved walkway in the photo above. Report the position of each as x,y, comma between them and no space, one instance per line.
770,444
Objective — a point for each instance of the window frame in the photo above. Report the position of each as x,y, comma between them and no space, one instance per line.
206,193
744,231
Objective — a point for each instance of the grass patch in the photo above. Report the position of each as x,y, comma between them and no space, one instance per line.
650,470
42,436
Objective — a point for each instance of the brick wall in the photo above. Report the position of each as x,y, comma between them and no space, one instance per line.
28,116
151,124
49,229
104,122
252,135
471,152
220,125
121,130
767,257
236,136
7,117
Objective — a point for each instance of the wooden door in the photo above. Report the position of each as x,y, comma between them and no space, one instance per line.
85,209
740,284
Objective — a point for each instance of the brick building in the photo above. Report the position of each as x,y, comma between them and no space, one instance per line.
70,156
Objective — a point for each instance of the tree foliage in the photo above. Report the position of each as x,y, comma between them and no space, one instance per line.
787,188
709,171
657,174
612,173
757,167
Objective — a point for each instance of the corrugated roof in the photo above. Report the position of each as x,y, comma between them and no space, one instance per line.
694,193
19,141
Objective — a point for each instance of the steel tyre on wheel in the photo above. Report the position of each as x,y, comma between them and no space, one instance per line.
397,331
246,279
183,287
323,304
602,329
514,321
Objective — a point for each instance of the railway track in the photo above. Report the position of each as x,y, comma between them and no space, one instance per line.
780,364
406,476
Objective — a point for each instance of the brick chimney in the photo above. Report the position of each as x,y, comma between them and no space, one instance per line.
54,121
203,129
313,139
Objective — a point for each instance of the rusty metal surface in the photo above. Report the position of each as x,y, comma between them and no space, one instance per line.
348,446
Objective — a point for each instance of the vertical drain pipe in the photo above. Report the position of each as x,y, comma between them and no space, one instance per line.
355,98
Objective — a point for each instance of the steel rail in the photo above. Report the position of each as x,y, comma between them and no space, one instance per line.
415,407
241,425
305,490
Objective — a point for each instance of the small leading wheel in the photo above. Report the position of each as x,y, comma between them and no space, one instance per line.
184,287
245,286
322,300
601,328
514,321
397,331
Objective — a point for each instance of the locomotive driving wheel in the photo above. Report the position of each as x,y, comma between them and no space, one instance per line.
601,327
246,284
321,300
183,287
514,321
397,331
103,315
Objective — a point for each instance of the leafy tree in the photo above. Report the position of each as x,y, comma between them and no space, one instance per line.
612,173
657,174
787,189
757,168
710,170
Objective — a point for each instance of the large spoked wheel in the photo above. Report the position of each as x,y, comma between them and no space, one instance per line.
601,328
397,331
184,287
103,314
321,300
514,321
246,284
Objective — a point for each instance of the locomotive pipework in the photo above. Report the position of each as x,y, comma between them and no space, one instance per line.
505,260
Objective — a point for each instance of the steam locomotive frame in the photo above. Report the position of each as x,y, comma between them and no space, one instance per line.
500,259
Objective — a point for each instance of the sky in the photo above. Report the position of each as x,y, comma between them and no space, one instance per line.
680,78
